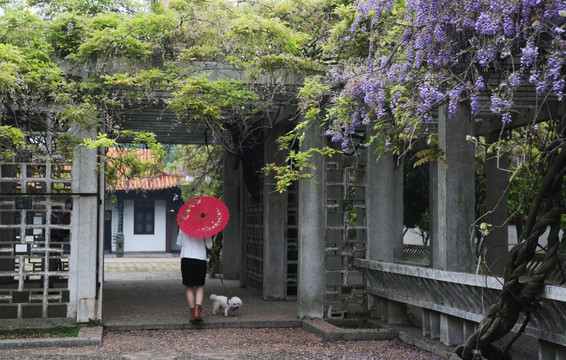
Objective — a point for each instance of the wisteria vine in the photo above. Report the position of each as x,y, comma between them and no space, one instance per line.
427,52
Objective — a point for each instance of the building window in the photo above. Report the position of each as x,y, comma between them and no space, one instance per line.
144,217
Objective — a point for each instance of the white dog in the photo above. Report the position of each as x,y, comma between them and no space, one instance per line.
227,304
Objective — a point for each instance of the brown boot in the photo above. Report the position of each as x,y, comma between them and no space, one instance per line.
197,319
192,321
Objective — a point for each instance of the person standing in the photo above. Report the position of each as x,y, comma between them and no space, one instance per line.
193,270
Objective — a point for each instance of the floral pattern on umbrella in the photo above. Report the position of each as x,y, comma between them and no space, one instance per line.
203,216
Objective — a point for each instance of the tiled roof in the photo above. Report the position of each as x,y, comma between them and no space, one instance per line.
166,180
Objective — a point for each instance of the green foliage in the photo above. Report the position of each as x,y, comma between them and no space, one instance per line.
203,167
66,33
51,8
56,331
298,166
11,141
206,100
89,61
125,163
114,36
94,322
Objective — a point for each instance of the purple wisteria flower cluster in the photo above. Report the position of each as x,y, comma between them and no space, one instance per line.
446,51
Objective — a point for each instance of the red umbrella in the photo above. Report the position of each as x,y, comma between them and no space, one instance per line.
203,216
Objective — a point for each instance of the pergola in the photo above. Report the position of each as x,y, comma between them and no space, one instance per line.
300,244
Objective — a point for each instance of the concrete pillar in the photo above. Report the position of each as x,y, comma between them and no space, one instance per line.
311,277
431,324
396,312
242,230
232,242
551,351
469,328
374,307
275,219
496,182
433,214
86,236
455,195
384,207
425,315
451,330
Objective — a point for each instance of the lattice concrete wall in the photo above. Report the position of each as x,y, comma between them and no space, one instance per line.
254,242
292,239
35,218
345,234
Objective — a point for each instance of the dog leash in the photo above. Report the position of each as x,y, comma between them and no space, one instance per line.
212,257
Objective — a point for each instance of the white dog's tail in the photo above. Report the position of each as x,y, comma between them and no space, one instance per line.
213,297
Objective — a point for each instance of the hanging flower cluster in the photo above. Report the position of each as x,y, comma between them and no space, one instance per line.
427,52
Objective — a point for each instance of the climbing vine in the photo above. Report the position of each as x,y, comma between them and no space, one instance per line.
90,62
425,54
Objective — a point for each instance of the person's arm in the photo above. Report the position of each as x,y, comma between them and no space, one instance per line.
180,238
208,242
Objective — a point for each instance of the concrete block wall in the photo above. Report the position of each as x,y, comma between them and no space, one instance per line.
254,243
34,241
345,236
292,245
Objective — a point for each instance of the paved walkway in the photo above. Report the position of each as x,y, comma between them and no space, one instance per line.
153,297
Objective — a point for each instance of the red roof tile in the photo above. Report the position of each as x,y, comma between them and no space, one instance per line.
166,180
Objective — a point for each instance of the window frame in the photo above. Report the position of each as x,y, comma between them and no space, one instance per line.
144,216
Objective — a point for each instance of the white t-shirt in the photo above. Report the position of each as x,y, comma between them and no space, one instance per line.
192,247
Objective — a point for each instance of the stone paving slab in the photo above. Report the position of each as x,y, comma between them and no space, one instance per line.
150,264
329,332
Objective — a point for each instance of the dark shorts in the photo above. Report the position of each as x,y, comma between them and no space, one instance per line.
193,271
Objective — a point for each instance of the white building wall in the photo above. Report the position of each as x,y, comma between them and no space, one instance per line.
153,242
113,208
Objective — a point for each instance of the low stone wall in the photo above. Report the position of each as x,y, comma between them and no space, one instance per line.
454,303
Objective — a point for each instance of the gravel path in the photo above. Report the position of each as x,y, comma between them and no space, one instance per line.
251,344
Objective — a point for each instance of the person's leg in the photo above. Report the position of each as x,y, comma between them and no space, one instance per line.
191,300
199,291
191,296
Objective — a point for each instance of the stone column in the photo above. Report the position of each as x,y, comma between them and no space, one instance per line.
455,193
275,219
496,182
453,207
384,207
433,213
431,324
551,351
311,284
451,330
384,196
83,263
241,251
232,242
